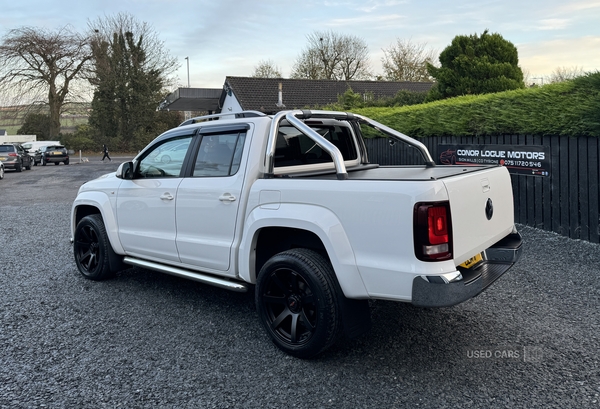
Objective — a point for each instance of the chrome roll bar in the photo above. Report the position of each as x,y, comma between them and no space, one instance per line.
291,117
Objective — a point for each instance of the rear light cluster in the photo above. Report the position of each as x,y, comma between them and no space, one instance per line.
12,154
433,231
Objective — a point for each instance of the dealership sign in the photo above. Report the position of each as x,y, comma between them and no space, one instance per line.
522,159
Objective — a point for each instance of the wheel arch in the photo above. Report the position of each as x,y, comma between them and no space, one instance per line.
88,203
268,232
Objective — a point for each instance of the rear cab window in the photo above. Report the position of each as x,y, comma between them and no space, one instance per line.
219,154
297,152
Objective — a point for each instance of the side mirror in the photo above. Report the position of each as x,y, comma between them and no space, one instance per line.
125,170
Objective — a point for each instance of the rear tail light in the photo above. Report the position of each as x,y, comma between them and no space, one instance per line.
12,154
433,231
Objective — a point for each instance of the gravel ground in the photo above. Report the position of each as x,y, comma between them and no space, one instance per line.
146,340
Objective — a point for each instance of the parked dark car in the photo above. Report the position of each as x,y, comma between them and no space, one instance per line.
13,156
54,154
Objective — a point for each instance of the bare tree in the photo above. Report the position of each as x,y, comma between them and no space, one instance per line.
526,77
35,61
308,66
562,74
407,61
266,69
333,56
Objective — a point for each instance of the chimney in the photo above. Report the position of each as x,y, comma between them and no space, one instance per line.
280,101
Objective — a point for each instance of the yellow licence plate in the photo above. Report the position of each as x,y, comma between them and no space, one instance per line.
473,261
56,153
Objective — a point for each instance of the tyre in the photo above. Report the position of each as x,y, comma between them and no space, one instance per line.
1,173
91,248
297,302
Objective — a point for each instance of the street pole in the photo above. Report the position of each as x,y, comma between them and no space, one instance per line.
188,114
188,69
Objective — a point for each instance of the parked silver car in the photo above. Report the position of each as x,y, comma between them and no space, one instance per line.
13,156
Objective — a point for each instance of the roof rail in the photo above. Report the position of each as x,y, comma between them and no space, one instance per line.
242,114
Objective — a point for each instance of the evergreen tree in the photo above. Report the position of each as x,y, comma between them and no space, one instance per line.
477,65
127,93
131,70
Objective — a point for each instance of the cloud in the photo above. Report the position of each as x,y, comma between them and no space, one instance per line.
553,24
374,5
544,57
579,6
380,21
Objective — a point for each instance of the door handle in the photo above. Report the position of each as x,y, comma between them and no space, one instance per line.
227,197
166,196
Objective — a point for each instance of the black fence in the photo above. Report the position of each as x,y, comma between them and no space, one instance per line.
565,200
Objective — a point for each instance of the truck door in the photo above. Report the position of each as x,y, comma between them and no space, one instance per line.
208,201
146,204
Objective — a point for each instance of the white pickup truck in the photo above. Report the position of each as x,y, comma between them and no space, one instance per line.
289,205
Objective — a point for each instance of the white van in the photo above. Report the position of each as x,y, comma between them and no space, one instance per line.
35,146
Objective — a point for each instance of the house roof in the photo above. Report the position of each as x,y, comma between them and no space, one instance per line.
262,94
192,99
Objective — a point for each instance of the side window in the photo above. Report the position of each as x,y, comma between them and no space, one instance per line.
165,159
219,154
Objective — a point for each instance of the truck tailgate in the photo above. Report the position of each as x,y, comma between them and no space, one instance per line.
481,207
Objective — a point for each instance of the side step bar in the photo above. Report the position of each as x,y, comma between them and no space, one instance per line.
190,275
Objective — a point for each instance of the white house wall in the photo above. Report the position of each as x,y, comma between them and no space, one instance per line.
231,104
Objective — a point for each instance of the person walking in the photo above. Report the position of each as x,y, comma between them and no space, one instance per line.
105,150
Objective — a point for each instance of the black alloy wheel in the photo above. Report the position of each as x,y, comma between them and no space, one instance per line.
297,302
91,248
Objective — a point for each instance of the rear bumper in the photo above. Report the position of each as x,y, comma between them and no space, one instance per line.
459,286
12,164
54,159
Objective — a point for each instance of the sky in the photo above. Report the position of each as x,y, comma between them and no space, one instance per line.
230,37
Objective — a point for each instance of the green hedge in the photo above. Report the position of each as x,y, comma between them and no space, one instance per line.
569,108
